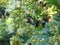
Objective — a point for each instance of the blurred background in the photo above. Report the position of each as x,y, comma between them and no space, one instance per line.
29,22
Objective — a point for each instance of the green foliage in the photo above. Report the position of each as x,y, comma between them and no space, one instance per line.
16,29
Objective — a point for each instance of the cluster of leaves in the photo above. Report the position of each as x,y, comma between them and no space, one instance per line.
15,29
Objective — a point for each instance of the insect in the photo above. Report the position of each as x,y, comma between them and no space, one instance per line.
31,20
37,23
